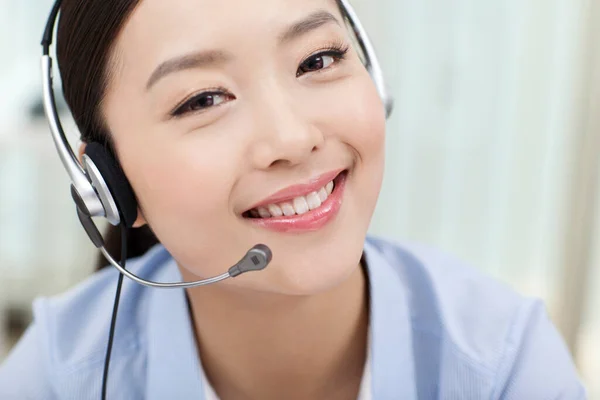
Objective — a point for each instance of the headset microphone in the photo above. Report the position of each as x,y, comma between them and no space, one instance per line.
256,259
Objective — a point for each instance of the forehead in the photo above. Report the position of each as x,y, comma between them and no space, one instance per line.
159,30
212,23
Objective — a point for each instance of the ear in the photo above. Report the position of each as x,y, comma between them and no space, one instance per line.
140,221
81,152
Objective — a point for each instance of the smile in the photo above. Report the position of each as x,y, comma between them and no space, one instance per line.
301,208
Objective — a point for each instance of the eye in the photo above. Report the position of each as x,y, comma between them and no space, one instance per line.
203,101
321,61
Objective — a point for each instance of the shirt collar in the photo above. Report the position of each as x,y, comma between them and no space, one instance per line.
391,345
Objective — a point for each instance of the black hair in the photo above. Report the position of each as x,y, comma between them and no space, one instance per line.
87,30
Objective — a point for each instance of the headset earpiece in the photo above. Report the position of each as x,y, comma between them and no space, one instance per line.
111,184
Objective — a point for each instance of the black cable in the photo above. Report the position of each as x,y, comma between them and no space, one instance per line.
113,321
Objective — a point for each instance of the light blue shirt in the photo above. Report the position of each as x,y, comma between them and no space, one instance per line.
439,330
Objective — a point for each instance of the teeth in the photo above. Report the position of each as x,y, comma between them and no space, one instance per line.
313,200
323,194
275,210
329,187
288,209
298,206
263,212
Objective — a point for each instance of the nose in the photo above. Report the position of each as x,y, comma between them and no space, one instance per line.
283,135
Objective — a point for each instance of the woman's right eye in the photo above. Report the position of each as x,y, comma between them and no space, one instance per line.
202,101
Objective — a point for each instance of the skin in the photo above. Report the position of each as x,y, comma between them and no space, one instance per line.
299,328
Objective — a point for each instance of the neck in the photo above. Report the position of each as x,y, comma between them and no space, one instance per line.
268,345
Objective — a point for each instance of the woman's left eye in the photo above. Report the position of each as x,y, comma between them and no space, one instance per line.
320,61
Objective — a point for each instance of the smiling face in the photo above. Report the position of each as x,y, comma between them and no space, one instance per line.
231,119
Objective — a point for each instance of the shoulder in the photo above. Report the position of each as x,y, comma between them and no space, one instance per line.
478,323
76,322
66,342
446,294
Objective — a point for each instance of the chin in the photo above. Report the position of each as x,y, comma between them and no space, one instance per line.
316,263
316,274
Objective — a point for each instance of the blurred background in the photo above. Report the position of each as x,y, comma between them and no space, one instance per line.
493,154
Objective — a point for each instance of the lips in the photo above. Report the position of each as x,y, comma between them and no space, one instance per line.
301,208
291,192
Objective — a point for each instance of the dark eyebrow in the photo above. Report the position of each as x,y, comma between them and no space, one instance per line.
310,23
195,60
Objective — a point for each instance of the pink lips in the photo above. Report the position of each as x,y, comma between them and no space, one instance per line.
312,220
290,192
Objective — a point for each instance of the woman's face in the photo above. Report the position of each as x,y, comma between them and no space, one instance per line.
219,107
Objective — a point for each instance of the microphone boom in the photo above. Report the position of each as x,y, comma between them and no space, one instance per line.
256,259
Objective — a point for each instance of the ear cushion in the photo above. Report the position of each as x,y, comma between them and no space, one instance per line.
116,181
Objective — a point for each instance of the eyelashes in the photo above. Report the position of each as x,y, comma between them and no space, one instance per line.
323,58
317,62
202,101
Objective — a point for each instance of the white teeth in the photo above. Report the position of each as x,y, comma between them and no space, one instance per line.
323,194
263,212
313,200
300,205
275,210
288,209
329,187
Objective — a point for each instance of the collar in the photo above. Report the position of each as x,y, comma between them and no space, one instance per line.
391,345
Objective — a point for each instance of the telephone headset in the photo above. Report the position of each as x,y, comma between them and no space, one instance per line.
100,188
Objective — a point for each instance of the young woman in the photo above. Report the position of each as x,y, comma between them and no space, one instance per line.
240,122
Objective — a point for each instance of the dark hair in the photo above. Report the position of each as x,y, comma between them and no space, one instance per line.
87,30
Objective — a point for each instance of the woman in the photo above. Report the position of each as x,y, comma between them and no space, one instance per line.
238,123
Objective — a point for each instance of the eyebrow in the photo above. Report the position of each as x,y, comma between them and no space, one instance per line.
202,59
306,25
214,58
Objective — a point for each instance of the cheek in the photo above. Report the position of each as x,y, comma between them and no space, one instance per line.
368,119
367,127
183,186
356,115
363,130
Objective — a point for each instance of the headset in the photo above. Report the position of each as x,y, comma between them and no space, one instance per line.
100,188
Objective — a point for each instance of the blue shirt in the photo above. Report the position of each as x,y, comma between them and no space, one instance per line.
438,329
